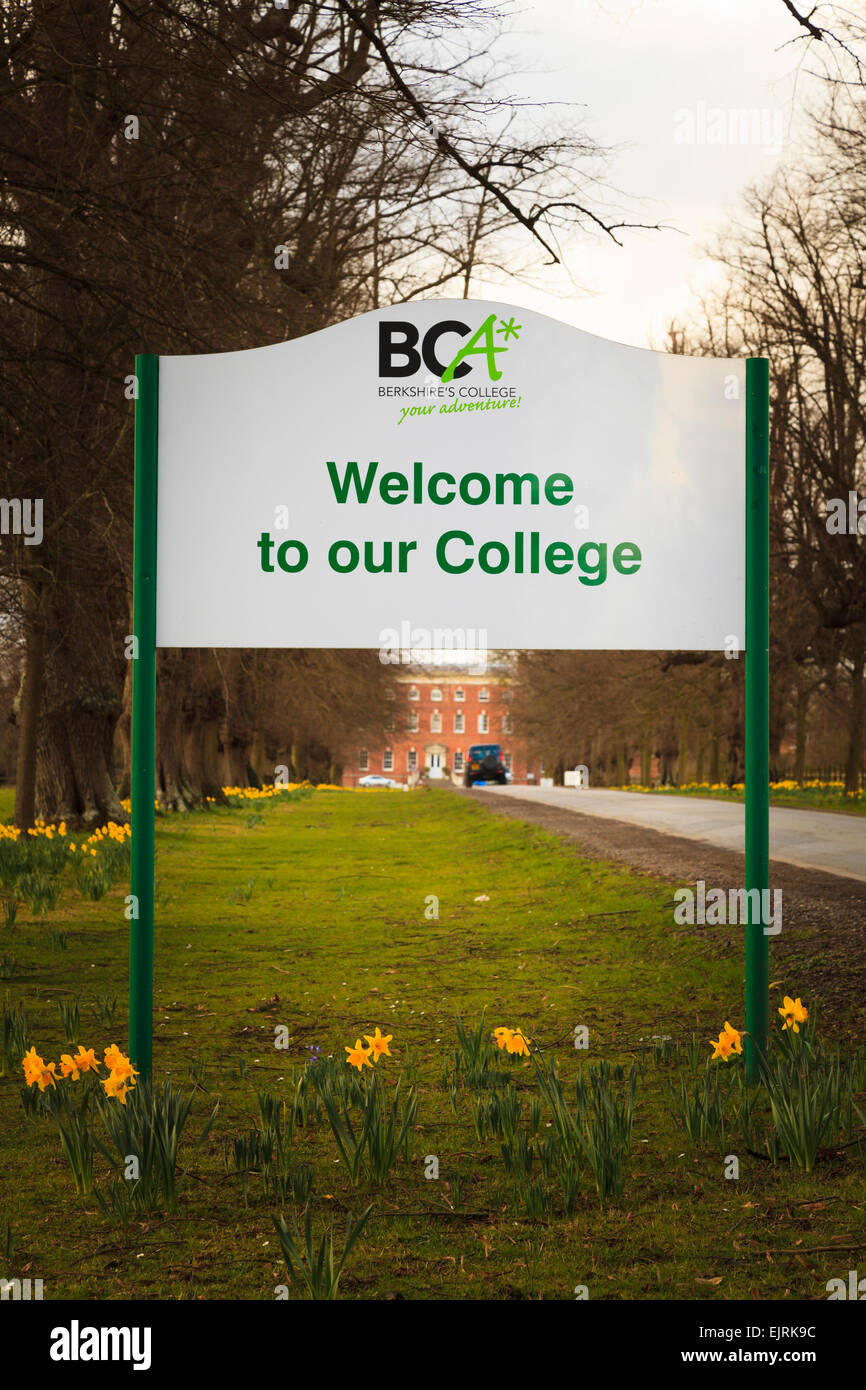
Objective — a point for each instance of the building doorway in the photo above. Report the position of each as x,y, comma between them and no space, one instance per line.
434,760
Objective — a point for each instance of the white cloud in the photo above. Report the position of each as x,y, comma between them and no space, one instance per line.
631,67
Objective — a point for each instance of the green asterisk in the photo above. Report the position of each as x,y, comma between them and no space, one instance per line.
510,329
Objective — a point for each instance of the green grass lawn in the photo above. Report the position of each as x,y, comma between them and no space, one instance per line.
311,914
813,796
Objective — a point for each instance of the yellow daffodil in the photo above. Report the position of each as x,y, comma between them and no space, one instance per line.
36,1071
723,1048
125,1070
358,1056
793,1013
85,1059
735,1037
518,1043
120,1066
379,1044
68,1066
32,1064
503,1037
115,1086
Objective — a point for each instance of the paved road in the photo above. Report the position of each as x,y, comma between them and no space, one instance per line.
809,839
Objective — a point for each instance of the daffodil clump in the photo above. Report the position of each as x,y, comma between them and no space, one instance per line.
266,793
113,831
33,863
512,1040
241,796
729,1042
12,832
793,1013
377,1046
259,793
148,1129
833,791
379,1130
120,1079
119,834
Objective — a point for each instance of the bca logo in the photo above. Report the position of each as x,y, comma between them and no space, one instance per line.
400,354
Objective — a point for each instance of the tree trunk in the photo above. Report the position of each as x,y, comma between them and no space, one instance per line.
621,759
646,758
716,735
258,760
295,773
854,761
31,699
74,782
174,790
201,749
683,754
236,764
802,734
736,726
780,695
84,673
715,757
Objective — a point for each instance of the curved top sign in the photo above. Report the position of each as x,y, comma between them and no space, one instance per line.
451,468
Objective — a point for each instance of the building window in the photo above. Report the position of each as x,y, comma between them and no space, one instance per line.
460,694
435,693
458,761
436,722
388,760
389,692
506,758
484,693
484,723
459,723
364,760
413,721
389,723
413,692
506,724
413,760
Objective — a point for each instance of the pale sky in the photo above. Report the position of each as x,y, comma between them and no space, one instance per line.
646,72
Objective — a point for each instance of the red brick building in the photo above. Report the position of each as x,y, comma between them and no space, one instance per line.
436,719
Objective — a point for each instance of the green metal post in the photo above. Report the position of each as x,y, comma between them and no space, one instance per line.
757,705
143,715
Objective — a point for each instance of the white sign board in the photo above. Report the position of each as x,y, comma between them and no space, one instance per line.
451,467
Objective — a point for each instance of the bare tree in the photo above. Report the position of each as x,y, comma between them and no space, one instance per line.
155,157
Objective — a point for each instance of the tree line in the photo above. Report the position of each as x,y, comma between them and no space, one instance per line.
793,289
180,177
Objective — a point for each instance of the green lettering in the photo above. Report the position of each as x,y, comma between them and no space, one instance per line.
597,573
489,350
559,557
442,559
351,478
394,488
559,489
627,558
517,480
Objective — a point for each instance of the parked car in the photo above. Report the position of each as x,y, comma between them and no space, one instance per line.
484,763
374,779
